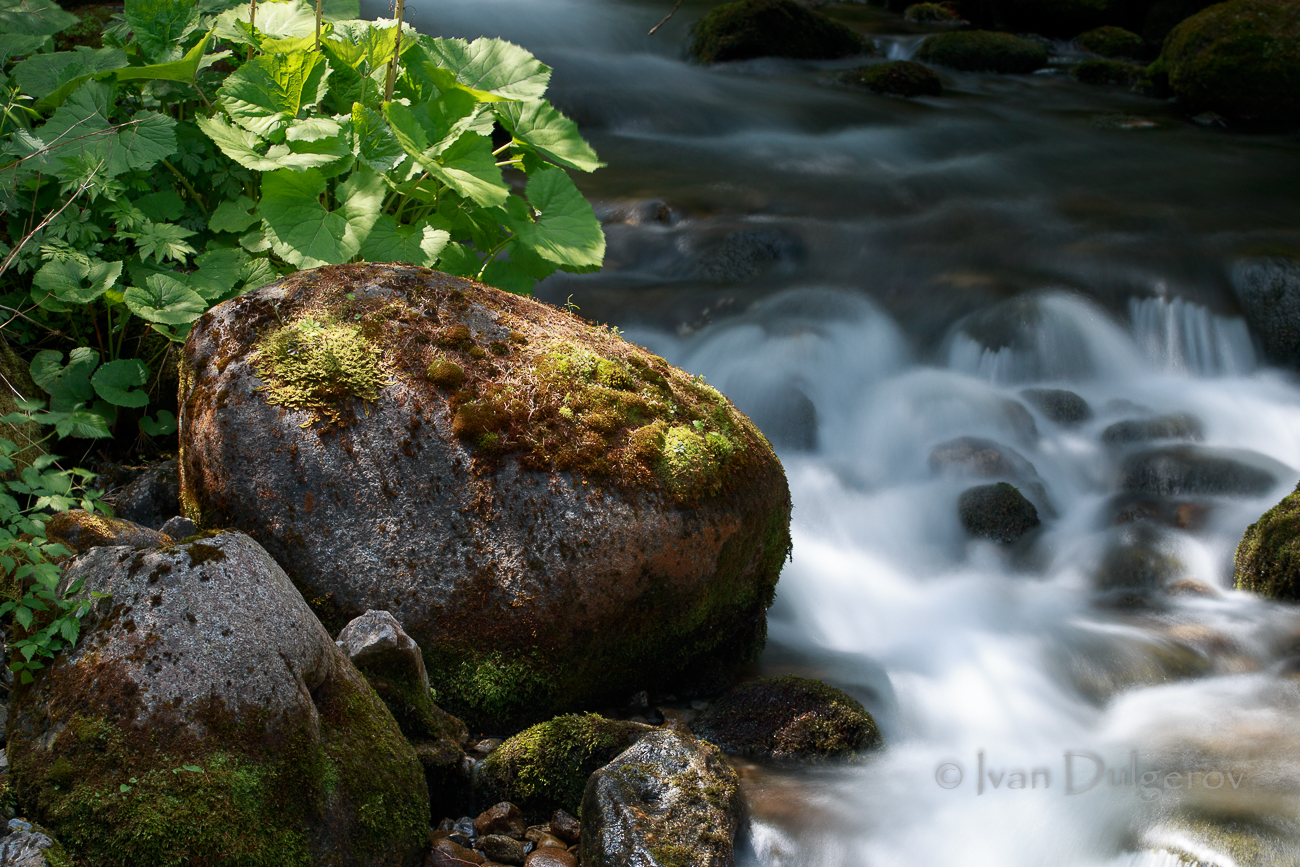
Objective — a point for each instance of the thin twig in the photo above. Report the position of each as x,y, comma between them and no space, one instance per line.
676,6
85,185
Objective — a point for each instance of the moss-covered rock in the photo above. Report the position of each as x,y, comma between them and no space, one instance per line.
931,13
771,28
1059,405
669,801
80,531
788,717
570,518
983,51
206,717
1172,426
1240,59
546,767
896,78
998,512
1268,557
1113,72
1110,41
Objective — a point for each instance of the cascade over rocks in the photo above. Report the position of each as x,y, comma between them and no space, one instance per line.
205,716
552,513
668,800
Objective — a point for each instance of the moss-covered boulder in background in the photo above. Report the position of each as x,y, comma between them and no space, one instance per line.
206,717
546,767
931,13
983,51
896,78
771,28
1110,41
1113,72
788,717
569,519
1268,556
1240,59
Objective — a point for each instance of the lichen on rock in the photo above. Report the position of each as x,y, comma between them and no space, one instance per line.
1268,558
318,364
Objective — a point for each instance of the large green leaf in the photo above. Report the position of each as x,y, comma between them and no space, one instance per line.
219,272
361,45
244,147
142,142
178,70
565,229
469,168
34,18
165,300
390,242
42,74
538,125
376,146
117,381
233,216
67,385
279,20
303,232
486,66
269,91
75,282
160,25
20,45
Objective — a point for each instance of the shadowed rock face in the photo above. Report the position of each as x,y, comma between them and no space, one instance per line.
205,698
549,511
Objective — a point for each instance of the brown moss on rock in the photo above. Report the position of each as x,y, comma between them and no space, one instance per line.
789,717
1268,557
547,766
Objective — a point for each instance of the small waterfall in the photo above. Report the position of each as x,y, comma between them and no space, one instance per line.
1184,337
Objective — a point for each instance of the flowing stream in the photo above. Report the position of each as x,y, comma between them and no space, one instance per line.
870,278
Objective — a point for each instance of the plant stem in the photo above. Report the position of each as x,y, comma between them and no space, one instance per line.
318,16
399,7
188,187
492,254
252,24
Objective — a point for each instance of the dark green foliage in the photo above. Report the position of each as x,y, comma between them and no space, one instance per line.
547,766
896,78
789,717
1114,72
771,28
1268,558
1240,59
983,51
1110,41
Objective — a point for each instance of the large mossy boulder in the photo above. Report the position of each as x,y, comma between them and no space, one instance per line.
1111,41
789,717
771,28
983,51
553,514
206,717
1240,59
669,801
1268,557
546,767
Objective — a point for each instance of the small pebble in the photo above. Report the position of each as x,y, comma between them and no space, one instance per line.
503,849
566,827
550,841
536,831
444,853
504,819
551,858
19,825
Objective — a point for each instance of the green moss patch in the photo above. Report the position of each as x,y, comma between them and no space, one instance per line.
1268,558
771,28
319,364
983,51
896,78
930,13
547,766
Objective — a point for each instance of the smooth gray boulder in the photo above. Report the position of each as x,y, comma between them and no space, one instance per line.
668,800
205,697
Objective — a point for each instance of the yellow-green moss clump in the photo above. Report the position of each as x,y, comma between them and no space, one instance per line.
319,364
547,766
1268,558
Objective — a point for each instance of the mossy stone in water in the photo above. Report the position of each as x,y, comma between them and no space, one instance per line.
546,767
771,28
788,717
1110,41
998,512
1113,72
1240,59
983,51
896,78
930,13
1268,557
1059,405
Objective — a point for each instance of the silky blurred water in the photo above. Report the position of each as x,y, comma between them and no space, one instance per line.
870,278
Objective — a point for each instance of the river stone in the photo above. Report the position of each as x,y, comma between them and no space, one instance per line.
1059,405
147,495
1136,567
80,531
392,663
1178,471
1240,59
1111,41
1269,292
566,826
980,458
788,717
998,512
1175,426
22,848
568,517
551,858
547,766
1268,557
668,800
983,51
503,818
903,78
771,28
502,849
207,688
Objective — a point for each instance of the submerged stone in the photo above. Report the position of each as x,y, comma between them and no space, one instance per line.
998,512
1059,405
1112,72
205,716
572,518
1111,41
771,28
1175,426
1180,471
896,78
